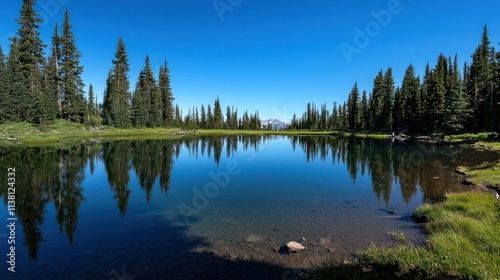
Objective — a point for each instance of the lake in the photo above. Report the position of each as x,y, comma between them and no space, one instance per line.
215,207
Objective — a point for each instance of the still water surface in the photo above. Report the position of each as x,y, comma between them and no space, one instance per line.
215,207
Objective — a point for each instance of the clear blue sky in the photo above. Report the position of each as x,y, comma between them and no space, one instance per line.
275,56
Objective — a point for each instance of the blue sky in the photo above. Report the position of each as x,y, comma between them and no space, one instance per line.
274,56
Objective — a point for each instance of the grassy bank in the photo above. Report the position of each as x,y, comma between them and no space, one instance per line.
463,240
463,243
480,140
486,174
61,130
64,131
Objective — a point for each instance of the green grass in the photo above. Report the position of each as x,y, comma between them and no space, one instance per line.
483,139
469,136
494,145
486,173
398,236
463,243
379,136
64,131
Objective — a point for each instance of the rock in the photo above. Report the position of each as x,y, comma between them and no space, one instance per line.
324,241
295,246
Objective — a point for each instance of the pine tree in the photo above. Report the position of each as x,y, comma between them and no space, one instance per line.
388,100
30,46
73,101
334,118
377,104
30,56
210,118
197,118
352,108
140,102
91,104
365,112
494,114
397,112
457,110
218,118
167,97
117,104
425,118
479,83
3,65
234,118
52,71
228,118
17,97
178,117
3,85
409,100
203,120
323,122
345,120
106,105
436,94
496,90
147,105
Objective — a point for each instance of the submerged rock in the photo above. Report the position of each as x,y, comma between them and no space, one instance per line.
290,247
295,246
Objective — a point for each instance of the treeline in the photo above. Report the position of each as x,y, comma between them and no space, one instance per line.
39,89
445,99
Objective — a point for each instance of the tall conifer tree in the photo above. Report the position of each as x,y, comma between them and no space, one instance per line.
73,101
479,83
166,94
352,107
409,100
116,106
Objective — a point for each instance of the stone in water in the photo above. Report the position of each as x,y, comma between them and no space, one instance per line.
295,246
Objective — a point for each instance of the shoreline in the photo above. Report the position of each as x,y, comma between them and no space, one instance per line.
16,134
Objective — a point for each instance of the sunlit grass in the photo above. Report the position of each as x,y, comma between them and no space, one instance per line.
483,139
485,173
64,131
398,236
463,243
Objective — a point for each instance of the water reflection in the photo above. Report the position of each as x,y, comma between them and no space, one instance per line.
57,173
